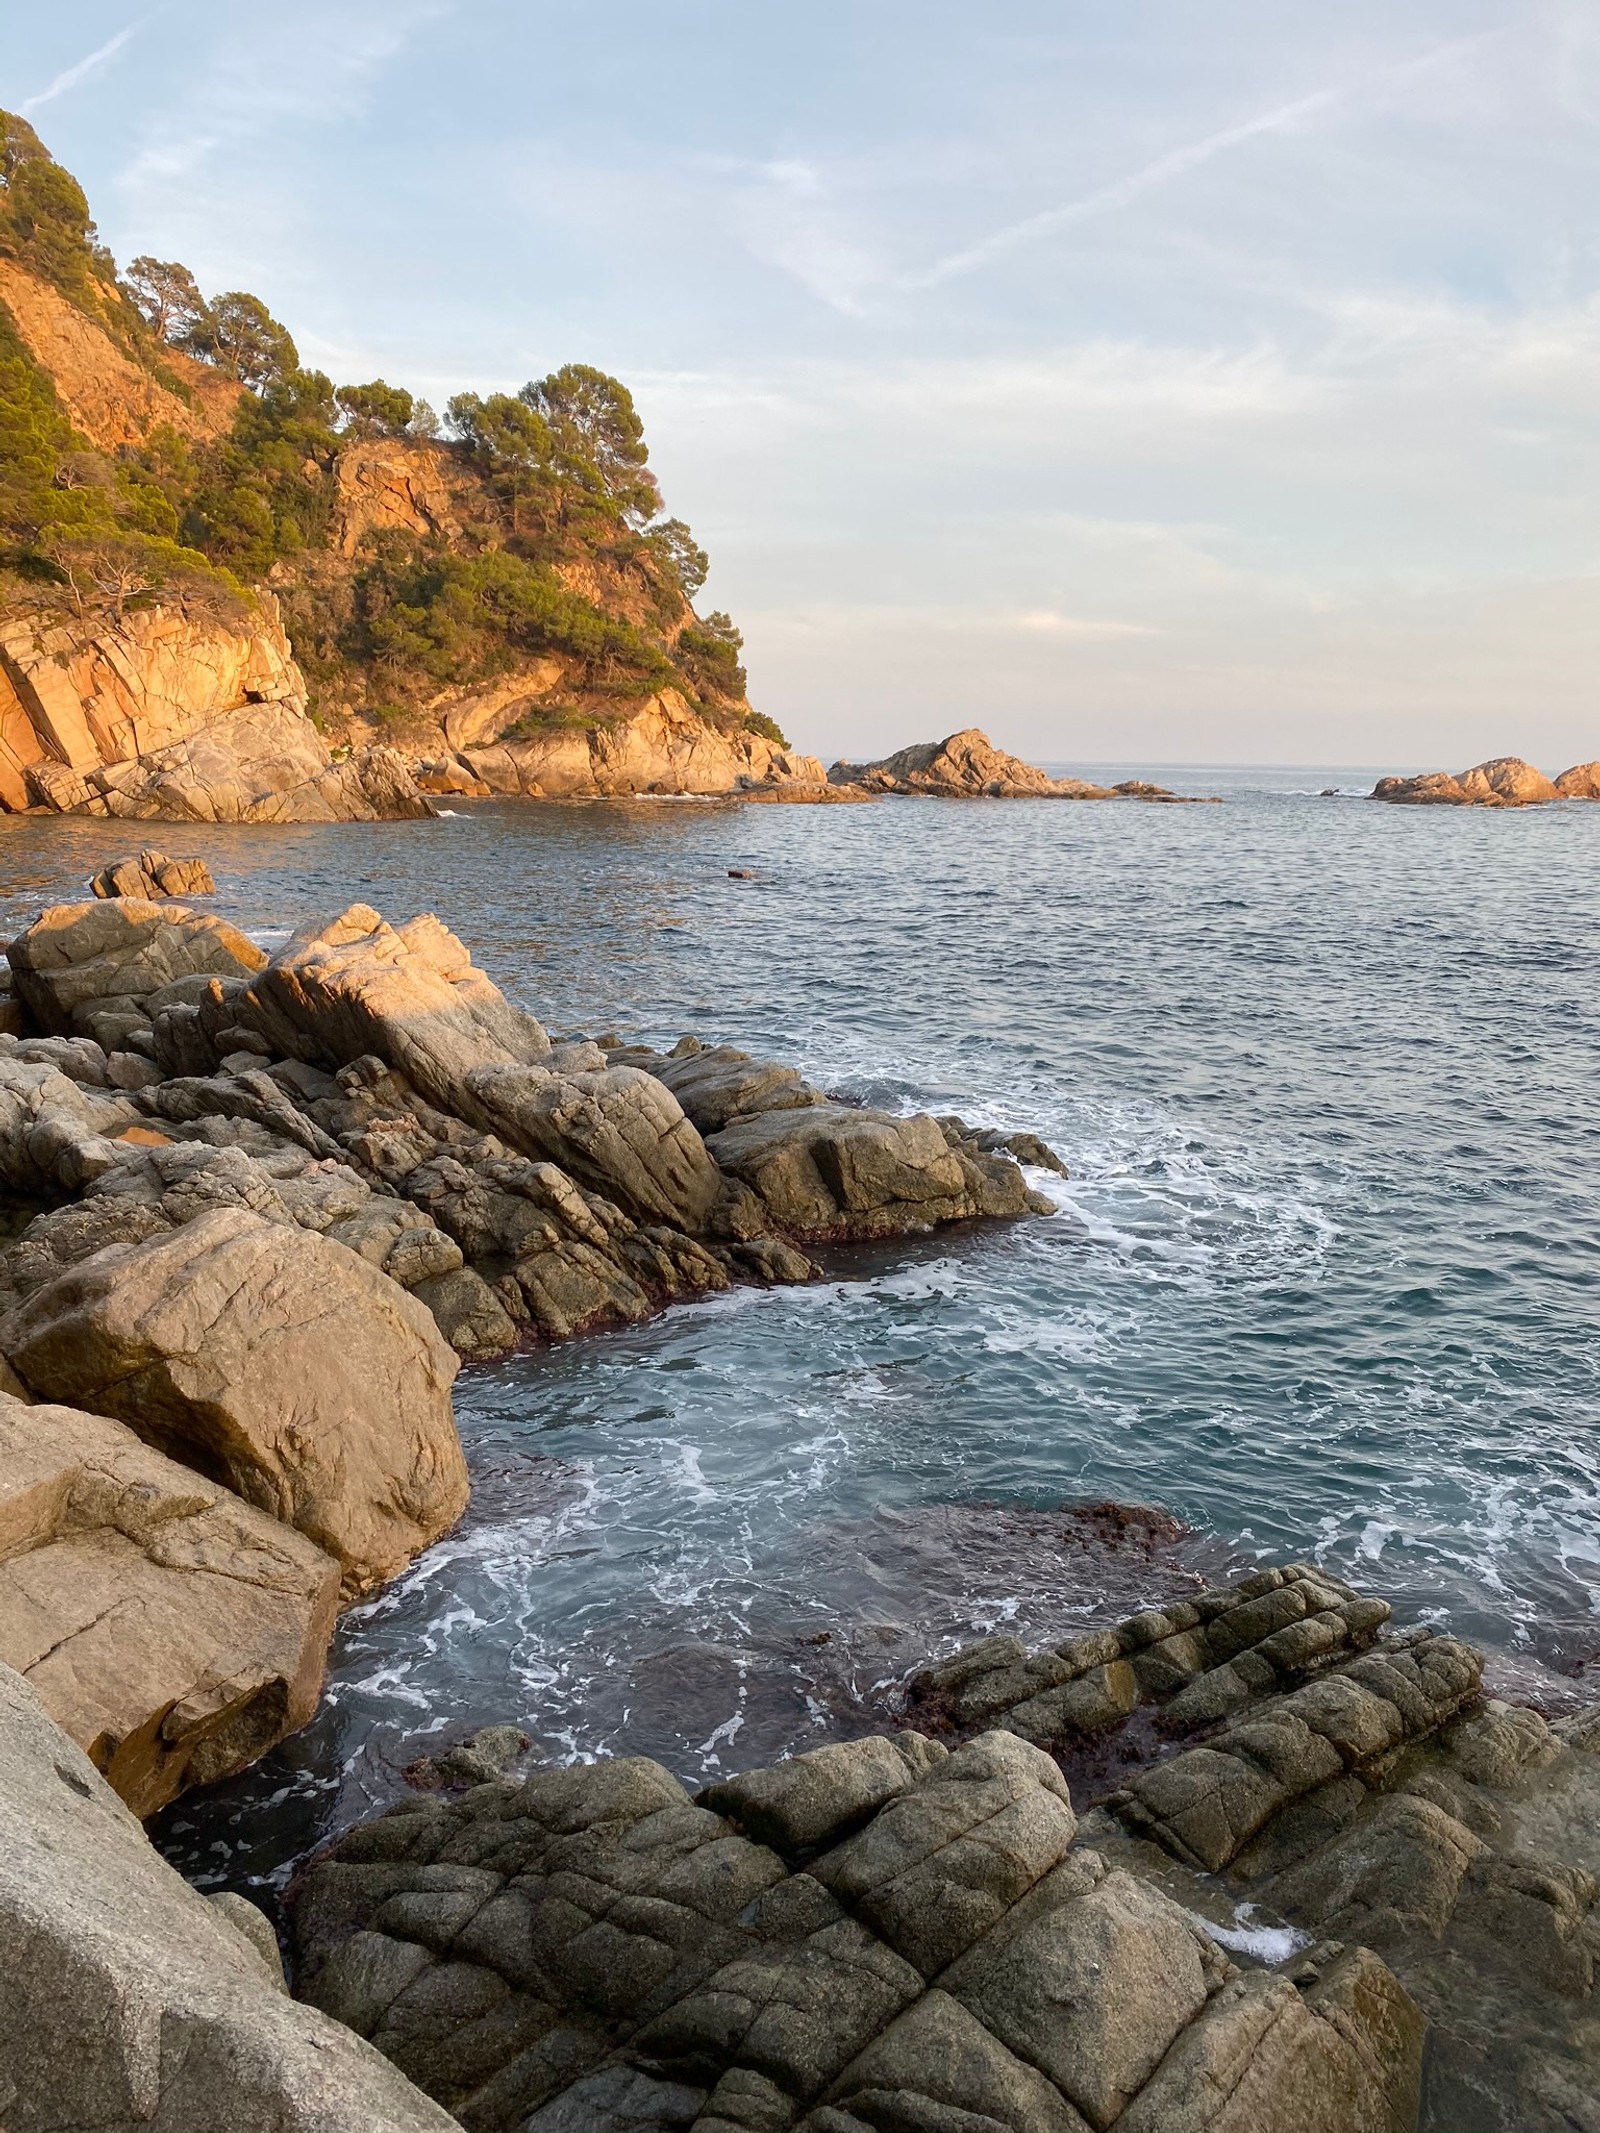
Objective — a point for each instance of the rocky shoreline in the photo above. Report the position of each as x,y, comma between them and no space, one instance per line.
1247,1862
262,1210
1247,1859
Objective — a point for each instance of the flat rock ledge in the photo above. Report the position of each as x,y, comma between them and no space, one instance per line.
1356,1896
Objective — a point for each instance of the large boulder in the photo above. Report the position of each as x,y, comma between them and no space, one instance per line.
615,1129
272,1360
128,2000
355,986
830,1170
76,958
151,874
873,1939
1507,781
172,1630
1581,782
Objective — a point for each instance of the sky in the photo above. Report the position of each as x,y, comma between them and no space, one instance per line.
1140,381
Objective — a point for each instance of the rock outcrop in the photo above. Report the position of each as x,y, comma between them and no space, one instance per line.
172,1630
128,2000
878,1935
1504,781
968,766
149,875
665,747
371,1086
177,717
272,1360
1277,1762
78,962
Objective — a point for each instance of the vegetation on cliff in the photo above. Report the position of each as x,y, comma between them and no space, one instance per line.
527,526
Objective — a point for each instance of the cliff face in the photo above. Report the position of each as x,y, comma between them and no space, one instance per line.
663,748
110,399
511,590
166,715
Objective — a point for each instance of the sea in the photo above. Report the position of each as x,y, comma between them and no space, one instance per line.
1323,1283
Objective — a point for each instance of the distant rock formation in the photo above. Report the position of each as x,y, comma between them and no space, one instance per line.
1503,781
968,766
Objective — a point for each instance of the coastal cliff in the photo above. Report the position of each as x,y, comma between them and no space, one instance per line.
192,523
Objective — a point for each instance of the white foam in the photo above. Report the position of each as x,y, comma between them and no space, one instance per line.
1266,1944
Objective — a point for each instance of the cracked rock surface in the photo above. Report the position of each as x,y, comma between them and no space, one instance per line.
883,1934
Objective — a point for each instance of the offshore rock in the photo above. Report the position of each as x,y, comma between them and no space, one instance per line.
152,874
967,766
1581,782
272,1360
874,1936
127,1999
1503,781
173,1631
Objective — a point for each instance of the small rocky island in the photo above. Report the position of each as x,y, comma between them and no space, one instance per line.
967,766
1503,781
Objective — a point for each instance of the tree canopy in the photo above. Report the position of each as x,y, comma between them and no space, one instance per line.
558,540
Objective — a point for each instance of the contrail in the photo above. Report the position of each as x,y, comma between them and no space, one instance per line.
71,77
1172,165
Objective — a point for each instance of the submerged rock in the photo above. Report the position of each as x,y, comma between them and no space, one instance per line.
172,1630
128,1999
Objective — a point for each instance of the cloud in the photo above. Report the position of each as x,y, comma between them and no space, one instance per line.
70,77
1106,198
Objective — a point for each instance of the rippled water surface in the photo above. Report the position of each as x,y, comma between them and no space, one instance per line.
1323,1282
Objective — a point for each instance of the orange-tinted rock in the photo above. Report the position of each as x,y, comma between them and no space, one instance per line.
1507,781
1581,782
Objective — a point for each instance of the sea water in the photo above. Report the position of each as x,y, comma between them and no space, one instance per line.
1324,1281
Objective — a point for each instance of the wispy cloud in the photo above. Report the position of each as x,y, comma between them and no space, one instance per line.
69,77
1107,198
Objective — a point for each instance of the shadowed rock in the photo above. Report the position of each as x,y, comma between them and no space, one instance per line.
128,2000
921,1943
172,1630
272,1360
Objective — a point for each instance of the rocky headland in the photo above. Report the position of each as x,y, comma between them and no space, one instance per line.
1503,781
